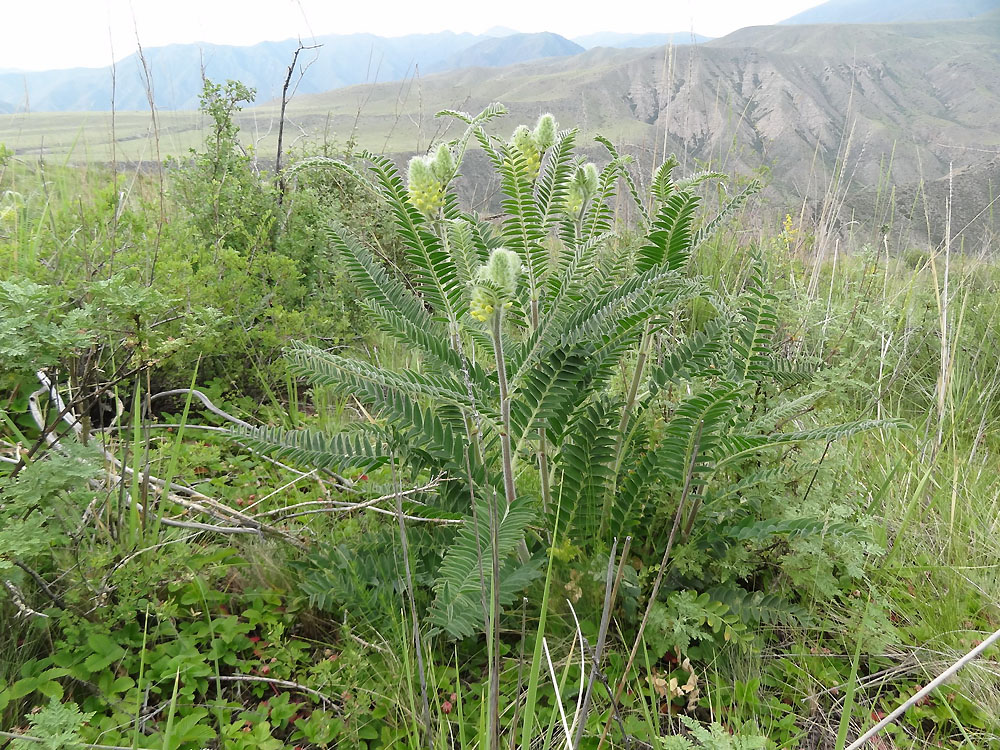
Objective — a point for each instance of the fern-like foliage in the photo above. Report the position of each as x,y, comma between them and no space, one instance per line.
357,451
610,382
464,577
670,242
754,341
585,468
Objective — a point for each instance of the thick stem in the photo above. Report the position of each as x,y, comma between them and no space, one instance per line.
494,635
633,391
508,484
508,465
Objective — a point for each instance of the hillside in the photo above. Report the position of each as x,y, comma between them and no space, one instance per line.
341,60
892,105
892,11
510,49
625,41
880,111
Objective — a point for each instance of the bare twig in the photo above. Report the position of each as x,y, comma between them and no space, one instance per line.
18,598
342,507
198,502
930,687
375,509
277,683
281,116
206,402
610,589
596,673
37,578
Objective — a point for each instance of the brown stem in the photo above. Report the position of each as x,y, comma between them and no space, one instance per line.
281,117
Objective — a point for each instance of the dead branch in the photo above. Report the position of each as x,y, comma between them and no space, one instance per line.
18,598
281,117
277,683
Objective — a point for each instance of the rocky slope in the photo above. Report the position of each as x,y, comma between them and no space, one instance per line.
871,118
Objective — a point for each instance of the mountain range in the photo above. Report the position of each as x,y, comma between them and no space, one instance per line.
176,71
877,123
852,126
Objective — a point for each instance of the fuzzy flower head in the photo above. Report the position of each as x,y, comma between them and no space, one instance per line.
545,132
532,144
10,202
502,270
443,164
495,284
523,141
482,302
582,187
424,185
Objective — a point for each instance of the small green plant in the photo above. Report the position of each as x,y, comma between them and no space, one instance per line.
55,727
714,737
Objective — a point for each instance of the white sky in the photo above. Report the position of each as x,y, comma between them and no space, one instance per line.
44,34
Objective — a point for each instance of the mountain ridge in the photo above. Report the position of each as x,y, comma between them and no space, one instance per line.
509,50
342,60
620,40
881,119
891,11
898,104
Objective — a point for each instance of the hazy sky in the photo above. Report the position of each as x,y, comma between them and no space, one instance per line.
42,34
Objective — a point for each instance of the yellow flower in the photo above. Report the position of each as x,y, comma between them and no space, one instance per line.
425,186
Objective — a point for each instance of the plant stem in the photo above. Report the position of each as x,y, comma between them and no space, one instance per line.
633,390
659,579
610,588
508,466
425,706
508,484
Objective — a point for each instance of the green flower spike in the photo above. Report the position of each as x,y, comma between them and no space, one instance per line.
426,189
582,188
443,165
524,141
545,132
495,284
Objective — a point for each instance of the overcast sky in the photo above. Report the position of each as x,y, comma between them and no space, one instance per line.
43,34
